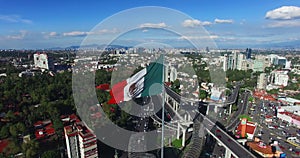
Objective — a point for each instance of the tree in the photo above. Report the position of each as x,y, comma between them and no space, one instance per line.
10,115
234,107
57,125
12,148
176,86
13,130
50,154
4,132
21,127
202,94
30,148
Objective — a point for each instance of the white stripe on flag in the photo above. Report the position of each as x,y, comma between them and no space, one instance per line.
138,80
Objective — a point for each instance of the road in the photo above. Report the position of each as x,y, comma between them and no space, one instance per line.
241,110
279,130
232,98
226,139
232,144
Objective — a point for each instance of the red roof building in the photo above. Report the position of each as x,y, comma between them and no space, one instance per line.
44,129
249,130
265,150
3,144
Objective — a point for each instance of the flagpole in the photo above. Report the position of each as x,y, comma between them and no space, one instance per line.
163,110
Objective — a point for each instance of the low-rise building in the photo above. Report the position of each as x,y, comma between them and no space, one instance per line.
290,114
246,129
265,150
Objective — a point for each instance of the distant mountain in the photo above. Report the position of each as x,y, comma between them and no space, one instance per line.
267,45
91,46
282,45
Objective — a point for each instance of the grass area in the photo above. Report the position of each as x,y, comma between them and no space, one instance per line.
245,116
177,143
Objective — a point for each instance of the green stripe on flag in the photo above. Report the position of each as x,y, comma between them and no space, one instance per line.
153,83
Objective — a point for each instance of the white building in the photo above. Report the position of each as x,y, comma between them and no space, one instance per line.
81,142
262,81
240,59
233,61
290,114
279,78
170,73
42,61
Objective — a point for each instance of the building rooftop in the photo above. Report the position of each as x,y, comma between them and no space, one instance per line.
259,147
250,128
3,144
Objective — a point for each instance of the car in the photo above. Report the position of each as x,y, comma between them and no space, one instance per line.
270,127
281,147
218,130
219,136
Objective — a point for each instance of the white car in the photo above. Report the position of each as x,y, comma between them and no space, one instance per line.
270,127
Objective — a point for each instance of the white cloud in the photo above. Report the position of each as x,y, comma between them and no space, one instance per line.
106,31
14,19
195,23
75,33
284,13
153,25
19,36
199,37
52,34
223,21
96,32
286,23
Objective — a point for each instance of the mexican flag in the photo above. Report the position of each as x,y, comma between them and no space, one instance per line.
147,82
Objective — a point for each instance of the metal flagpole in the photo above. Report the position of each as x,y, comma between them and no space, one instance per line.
163,109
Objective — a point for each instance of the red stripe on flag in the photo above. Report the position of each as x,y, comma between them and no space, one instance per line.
117,93
103,86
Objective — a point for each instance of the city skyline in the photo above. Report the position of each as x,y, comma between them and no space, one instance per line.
231,24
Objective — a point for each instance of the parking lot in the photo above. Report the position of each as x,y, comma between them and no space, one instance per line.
271,129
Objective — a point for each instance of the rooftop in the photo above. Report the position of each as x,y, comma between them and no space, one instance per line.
250,128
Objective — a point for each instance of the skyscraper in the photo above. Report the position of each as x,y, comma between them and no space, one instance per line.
248,53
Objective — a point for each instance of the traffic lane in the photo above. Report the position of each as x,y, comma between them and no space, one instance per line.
239,111
270,136
233,145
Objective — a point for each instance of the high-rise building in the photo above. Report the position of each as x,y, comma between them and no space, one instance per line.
281,61
247,64
262,81
231,61
248,53
170,73
258,65
225,62
81,142
240,59
42,61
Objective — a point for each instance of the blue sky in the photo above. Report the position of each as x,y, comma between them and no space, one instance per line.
231,24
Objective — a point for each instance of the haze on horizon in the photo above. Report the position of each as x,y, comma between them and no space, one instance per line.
231,24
